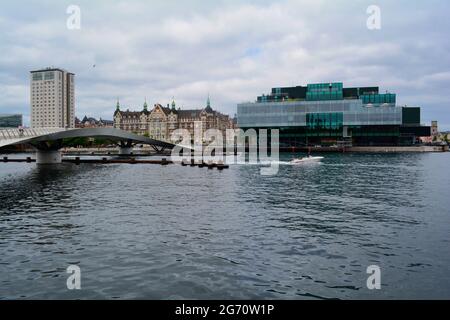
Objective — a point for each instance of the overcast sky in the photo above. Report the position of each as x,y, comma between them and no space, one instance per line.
233,50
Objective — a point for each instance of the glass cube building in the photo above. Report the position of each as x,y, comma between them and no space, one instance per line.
10,120
328,114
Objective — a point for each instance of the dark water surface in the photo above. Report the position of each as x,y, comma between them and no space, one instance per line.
150,231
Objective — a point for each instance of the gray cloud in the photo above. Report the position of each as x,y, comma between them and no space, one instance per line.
233,50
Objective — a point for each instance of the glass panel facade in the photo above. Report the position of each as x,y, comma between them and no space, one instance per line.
320,87
378,98
324,91
324,120
326,113
321,96
373,116
294,113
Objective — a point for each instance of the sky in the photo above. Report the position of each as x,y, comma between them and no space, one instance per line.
231,50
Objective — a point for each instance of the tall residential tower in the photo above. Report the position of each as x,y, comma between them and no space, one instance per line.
52,97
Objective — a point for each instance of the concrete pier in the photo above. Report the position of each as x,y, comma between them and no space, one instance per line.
48,157
125,151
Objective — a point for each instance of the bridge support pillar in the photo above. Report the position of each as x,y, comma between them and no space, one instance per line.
48,156
125,151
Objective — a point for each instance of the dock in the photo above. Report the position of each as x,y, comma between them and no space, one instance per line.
131,160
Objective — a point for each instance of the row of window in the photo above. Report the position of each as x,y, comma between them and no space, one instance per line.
48,75
378,98
322,87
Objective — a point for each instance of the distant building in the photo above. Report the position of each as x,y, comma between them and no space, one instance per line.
434,128
329,114
89,122
160,122
52,98
234,122
11,120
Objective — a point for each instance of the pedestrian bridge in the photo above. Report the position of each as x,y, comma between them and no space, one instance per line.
48,141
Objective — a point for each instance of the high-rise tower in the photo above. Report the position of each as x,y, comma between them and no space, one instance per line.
52,98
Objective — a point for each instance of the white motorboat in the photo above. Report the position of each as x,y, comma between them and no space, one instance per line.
306,159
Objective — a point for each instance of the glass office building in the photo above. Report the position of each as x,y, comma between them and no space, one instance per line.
329,114
10,120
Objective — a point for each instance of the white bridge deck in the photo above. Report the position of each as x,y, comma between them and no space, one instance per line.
33,135
14,136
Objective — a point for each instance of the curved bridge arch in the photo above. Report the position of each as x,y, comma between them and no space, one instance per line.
41,139
35,136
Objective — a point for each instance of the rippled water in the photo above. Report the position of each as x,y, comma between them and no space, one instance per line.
150,231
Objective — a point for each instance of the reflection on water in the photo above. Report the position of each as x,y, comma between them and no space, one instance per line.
149,231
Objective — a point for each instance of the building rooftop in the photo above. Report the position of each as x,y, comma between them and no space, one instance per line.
327,91
51,69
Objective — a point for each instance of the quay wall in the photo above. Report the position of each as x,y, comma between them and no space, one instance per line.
398,149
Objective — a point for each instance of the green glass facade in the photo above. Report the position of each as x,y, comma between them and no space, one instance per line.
320,121
378,98
328,113
324,91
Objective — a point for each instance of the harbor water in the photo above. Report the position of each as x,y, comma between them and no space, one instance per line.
173,232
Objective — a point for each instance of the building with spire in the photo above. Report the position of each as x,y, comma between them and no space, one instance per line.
91,122
160,122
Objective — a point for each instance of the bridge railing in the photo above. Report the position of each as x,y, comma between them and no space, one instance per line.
9,134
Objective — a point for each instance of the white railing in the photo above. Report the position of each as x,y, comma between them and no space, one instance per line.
10,134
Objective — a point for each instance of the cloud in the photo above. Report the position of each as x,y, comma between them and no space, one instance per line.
233,50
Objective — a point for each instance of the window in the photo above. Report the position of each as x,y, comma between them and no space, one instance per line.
37,76
317,121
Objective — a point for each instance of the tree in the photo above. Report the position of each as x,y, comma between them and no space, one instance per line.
100,142
75,142
446,137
